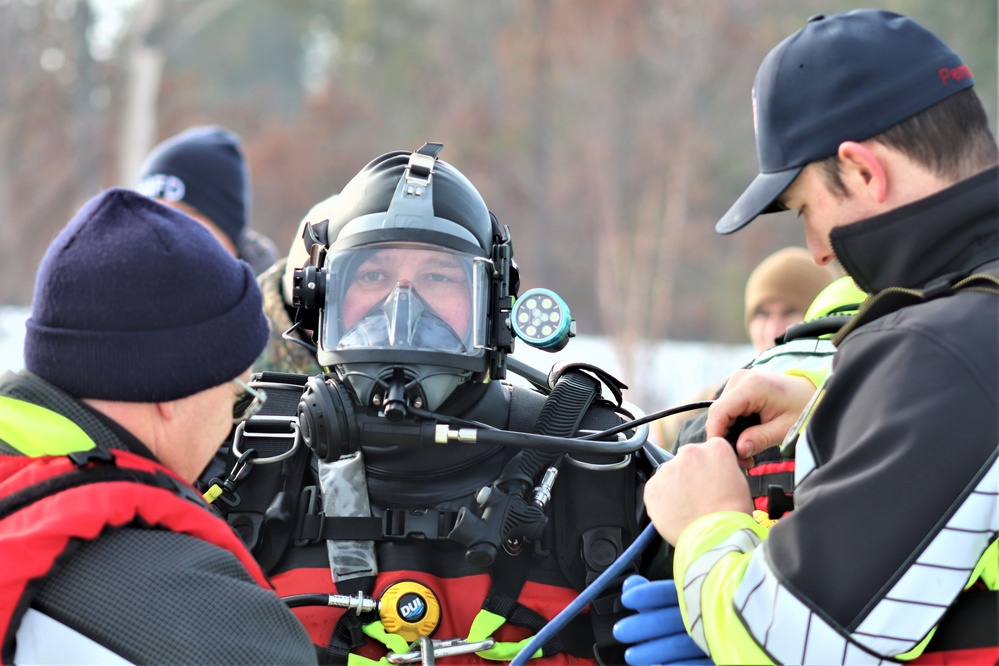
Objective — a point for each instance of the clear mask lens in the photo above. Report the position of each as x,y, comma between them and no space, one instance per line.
406,296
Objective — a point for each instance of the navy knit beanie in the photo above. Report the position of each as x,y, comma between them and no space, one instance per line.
202,167
135,302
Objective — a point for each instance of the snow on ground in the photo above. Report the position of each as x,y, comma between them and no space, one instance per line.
12,337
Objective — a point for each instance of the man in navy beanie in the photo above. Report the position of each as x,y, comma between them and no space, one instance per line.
203,172
868,126
141,332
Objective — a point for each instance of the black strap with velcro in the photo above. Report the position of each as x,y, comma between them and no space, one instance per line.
393,524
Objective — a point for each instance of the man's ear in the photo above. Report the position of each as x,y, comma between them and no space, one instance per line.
862,171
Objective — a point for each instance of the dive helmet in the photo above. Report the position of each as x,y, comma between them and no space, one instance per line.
416,282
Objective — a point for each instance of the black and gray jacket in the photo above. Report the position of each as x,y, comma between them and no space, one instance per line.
897,479
134,594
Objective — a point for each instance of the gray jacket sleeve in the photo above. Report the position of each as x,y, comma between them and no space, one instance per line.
153,596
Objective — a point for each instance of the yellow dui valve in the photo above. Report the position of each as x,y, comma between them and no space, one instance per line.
409,609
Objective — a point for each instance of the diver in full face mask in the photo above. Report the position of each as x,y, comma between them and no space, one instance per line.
412,282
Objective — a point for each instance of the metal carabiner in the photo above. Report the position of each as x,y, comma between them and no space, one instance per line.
419,652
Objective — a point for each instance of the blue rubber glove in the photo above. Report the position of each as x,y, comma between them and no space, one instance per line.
656,632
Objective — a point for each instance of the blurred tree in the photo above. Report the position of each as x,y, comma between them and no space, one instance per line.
51,102
609,136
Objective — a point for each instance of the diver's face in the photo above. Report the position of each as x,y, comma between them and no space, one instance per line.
438,278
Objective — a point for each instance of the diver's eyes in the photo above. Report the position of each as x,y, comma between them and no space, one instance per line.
445,276
371,275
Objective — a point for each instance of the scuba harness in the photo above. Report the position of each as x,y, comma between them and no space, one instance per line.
280,508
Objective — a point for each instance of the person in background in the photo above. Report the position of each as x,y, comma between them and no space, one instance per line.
141,334
778,293
277,284
203,172
868,126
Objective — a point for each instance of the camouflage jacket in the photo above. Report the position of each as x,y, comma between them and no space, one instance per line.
281,355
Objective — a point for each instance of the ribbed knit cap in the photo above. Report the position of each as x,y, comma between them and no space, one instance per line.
134,301
202,167
788,275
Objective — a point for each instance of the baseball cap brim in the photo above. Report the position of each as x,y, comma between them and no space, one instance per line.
760,197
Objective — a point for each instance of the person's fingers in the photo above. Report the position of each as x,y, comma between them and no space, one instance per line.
676,649
647,625
739,398
655,594
633,581
777,399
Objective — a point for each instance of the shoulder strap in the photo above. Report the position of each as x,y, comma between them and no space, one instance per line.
895,298
267,465
575,388
525,409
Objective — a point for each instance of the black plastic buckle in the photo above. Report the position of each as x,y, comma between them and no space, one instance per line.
942,286
779,502
96,456
310,530
418,523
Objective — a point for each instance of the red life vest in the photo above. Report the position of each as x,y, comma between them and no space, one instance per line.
48,502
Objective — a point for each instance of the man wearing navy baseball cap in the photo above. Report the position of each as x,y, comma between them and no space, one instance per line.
868,127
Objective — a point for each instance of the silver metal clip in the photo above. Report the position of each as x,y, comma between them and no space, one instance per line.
245,430
418,172
426,650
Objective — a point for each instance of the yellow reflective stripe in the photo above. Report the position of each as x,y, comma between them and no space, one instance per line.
36,431
987,568
719,629
917,651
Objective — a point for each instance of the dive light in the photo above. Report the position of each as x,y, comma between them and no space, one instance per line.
542,319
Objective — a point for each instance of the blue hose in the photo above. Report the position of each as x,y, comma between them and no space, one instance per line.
586,596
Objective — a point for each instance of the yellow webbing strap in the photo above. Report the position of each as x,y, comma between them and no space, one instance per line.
36,431
485,625
813,375
394,642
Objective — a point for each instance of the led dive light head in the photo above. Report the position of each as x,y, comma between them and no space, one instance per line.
542,319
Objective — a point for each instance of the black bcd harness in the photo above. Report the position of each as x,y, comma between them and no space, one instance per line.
594,511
